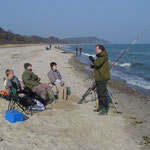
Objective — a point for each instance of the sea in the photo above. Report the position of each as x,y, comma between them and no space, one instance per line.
133,68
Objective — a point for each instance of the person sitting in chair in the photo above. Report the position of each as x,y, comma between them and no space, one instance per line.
12,81
32,82
56,79
16,89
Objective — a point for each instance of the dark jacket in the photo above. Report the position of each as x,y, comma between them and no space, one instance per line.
30,79
54,75
13,83
101,67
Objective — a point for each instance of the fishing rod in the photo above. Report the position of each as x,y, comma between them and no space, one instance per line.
93,86
126,49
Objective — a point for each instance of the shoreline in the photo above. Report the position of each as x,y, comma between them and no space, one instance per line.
117,84
140,87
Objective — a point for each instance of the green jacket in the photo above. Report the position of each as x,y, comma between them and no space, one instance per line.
30,79
101,67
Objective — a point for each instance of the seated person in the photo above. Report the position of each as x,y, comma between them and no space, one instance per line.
32,82
12,81
56,79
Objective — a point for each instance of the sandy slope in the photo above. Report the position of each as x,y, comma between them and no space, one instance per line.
64,125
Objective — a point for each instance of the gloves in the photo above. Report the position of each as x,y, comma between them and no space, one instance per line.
91,58
91,66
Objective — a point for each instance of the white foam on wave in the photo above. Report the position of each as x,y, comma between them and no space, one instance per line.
121,64
125,65
87,54
67,47
132,80
139,82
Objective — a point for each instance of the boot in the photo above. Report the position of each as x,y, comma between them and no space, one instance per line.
99,109
104,111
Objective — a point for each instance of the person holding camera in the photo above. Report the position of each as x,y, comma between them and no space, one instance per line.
101,75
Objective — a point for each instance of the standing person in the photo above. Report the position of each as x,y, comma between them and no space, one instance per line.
76,51
50,46
101,75
56,79
80,49
32,82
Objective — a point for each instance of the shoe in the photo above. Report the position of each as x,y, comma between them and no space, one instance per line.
104,111
98,110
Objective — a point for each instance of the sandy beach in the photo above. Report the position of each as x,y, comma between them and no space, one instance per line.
65,125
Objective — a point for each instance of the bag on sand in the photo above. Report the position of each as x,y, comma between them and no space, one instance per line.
38,106
4,94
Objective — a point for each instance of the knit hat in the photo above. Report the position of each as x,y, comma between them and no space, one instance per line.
26,65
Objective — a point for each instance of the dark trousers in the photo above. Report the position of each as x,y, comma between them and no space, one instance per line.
101,87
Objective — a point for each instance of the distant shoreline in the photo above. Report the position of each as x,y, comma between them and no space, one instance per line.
18,45
37,44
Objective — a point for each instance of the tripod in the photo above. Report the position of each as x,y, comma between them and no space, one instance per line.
93,88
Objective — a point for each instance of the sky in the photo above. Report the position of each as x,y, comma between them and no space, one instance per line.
118,21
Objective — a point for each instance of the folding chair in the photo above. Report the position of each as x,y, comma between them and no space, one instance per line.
20,103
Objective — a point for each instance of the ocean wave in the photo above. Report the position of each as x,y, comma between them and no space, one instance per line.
125,65
137,64
67,47
87,54
121,64
132,80
140,82
129,64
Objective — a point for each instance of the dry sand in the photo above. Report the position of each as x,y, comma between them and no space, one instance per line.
66,125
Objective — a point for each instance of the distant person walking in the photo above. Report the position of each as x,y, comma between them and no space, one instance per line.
50,46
